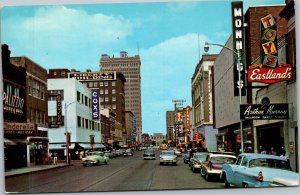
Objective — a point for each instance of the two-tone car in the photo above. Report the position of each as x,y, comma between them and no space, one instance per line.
149,154
259,170
212,165
196,160
94,158
168,157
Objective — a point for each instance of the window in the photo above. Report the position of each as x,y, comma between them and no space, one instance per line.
101,99
113,83
113,91
106,83
106,99
95,84
101,84
78,96
86,123
63,73
106,91
85,100
113,99
101,91
114,106
78,121
90,84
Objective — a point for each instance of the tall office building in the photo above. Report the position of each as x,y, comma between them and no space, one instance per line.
130,67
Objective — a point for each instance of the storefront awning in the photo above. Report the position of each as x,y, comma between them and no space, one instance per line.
12,142
59,146
88,146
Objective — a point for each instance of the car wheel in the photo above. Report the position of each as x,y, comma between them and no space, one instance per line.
202,172
105,162
226,184
88,164
193,169
161,163
207,177
245,185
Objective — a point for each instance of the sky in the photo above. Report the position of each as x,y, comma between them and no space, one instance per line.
168,35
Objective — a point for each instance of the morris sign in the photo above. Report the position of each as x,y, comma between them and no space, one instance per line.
264,112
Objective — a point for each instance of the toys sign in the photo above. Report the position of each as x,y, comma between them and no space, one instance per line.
270,70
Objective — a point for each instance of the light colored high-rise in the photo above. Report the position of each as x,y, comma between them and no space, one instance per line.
130,67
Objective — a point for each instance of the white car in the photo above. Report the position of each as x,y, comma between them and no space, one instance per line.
168,156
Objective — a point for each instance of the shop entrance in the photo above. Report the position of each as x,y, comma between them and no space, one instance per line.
271,137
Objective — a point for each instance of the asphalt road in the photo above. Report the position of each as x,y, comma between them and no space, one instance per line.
121,174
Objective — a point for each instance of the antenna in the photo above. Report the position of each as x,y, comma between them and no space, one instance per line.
138,48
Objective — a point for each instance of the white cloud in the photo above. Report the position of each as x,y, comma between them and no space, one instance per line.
62,31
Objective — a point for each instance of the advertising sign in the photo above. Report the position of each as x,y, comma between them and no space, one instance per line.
95,104
91,76
188,119
13,103
238,45
270,69
264,112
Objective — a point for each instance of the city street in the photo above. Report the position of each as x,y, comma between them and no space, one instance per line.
121,174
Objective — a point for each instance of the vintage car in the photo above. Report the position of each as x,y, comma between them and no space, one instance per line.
259,170
212,165
149,154
168,156
128,152
94,158
196,159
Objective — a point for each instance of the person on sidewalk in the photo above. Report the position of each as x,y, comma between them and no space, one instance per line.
55,158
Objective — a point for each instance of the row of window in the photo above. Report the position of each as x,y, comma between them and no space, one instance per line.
84,100
36,116
106,91
36,88
87,124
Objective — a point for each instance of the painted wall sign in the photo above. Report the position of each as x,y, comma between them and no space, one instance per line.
91,76
264,112
270,69
238,45
95,104
19,126
13,103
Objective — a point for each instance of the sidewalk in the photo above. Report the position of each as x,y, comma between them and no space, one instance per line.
36,168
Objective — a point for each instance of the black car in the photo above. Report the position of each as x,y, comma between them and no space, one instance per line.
149,154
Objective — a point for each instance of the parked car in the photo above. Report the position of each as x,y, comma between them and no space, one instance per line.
212,165
128,152
196,159
94,158
149,154
168,156
259,170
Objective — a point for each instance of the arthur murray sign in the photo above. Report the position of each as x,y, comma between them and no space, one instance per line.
264,112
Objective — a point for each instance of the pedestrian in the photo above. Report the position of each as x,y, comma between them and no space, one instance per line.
50,158
262,150
272,151
284,154
55,158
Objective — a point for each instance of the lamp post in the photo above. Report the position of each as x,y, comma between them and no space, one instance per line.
66,131
238,54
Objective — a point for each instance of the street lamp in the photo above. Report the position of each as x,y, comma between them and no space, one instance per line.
238,54
66,131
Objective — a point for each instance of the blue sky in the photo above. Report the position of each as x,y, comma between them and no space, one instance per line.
74,34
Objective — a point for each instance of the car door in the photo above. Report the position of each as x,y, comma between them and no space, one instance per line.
240,172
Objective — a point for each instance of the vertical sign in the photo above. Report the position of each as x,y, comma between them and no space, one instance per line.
270,69
188,119
58,110
95,104
238,45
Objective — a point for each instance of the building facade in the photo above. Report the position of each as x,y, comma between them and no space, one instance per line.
72,115
158,139
29,112
202,102
130,67
170,121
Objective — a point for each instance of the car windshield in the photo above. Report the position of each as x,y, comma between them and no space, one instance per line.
271,163
222,160
148,151
168,153
200,157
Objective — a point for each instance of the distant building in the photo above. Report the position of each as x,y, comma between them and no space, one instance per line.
158,138
202,101
131,68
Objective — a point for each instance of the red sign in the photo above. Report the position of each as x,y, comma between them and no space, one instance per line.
269,75
188,123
